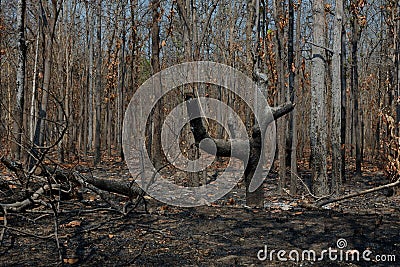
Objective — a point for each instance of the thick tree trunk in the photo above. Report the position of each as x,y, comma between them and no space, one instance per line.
49,27
90,90
336,100
33,105
356,92
250,18
343,71
20,96
292,95
318,128
157,151
282,93
97,133
121,85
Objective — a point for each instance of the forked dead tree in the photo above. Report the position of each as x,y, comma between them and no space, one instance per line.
224,148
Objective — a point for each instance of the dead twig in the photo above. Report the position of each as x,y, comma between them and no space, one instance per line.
356,194
3,231
138,254
308,189
56,227
26,233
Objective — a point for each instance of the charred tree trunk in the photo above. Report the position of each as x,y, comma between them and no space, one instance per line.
336,100
282,93
318,129
292,94
157,151
98,89
19,105
224,147
343,74
356,91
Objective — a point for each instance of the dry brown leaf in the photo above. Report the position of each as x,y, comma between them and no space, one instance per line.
71,260
71,224
231,201
164,208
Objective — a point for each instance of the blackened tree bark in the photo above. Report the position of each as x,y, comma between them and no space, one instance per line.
343,71
336,99
224,147
397,89
49,16
282,93
97,132
318,130
19,105
121,84
255,198
90,79
194,35
397,55
355,28
292,94
157,151
250,22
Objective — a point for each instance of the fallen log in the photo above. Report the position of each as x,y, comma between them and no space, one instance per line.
21,205
128,188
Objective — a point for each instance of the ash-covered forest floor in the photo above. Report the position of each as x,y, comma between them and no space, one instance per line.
225,233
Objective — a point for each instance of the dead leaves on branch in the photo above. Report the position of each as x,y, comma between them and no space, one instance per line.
391,147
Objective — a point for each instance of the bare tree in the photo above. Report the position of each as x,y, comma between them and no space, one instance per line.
355,37
343,72
318,130
336,99
90,73
224,148
292,94
97,132
121,84
157,118
50,15
19,105
282,93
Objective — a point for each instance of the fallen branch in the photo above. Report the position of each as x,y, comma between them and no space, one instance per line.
128,189
356,194
123,188
138,254
62,177
26,233
224,148
282,110
20,205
